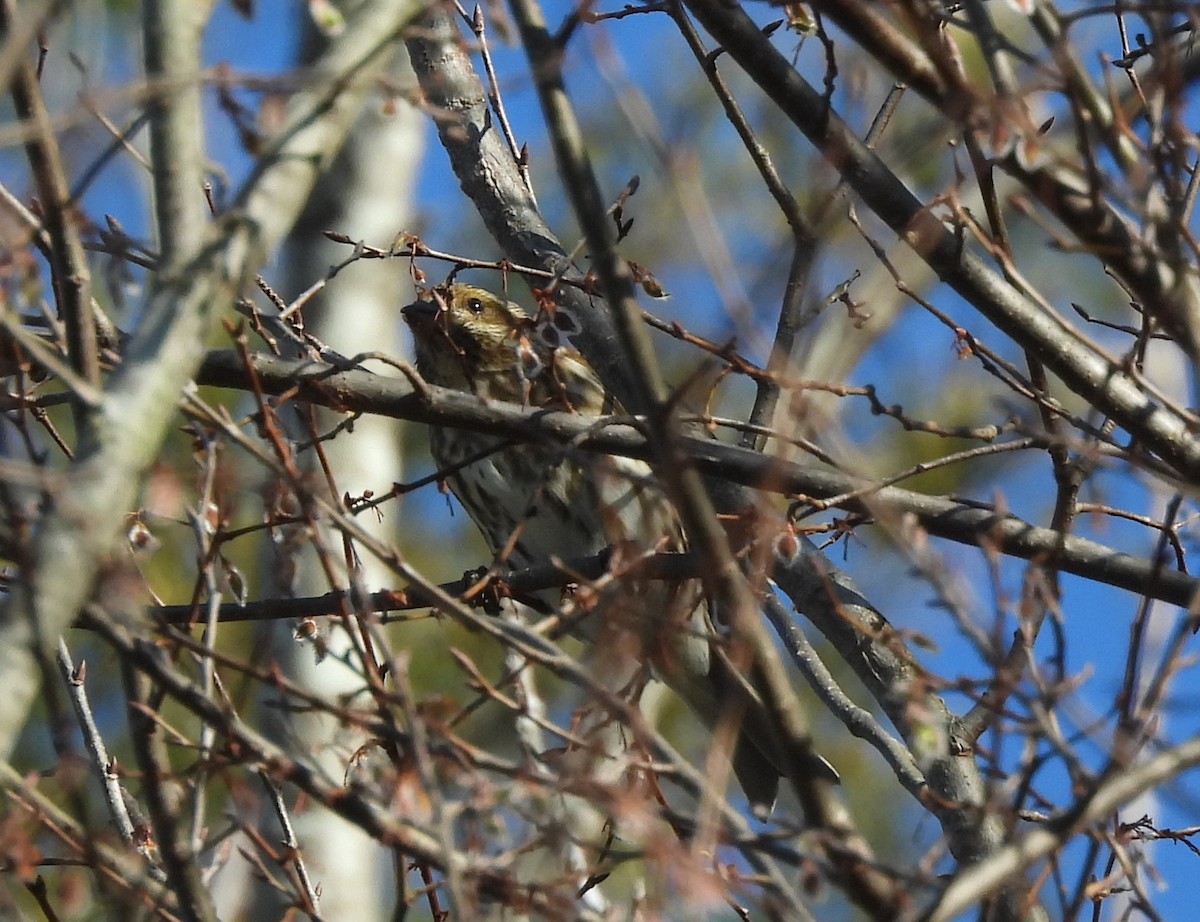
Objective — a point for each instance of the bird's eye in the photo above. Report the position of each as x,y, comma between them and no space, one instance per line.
475,306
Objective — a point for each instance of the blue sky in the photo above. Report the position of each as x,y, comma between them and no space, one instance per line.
1097,618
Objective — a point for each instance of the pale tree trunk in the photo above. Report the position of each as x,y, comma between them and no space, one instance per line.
367,195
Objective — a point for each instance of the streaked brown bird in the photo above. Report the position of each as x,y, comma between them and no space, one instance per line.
534,501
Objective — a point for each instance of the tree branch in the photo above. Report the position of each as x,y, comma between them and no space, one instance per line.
139,404
358,390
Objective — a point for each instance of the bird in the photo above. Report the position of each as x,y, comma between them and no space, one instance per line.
534,501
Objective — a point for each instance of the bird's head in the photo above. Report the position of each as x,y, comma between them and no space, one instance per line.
466,335
469,339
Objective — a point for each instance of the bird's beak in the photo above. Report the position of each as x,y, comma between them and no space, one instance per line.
420,311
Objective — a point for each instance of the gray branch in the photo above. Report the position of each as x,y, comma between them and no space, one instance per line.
358,390
139,403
